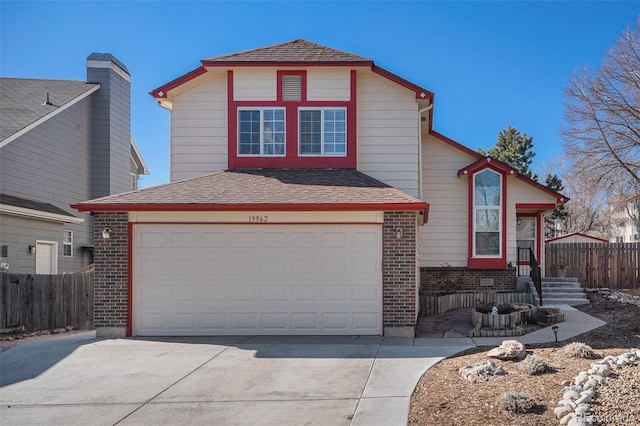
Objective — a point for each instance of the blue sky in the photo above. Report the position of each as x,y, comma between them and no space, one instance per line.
490,64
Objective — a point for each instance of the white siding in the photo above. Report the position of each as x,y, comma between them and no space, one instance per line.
199,129
328,84
445,236
388,133
254,84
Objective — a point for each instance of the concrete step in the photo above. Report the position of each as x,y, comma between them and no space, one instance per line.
546,290
570,302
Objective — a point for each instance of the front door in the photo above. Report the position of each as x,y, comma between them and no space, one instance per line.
526,231
46,257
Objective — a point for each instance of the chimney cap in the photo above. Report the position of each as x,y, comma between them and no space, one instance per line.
104,57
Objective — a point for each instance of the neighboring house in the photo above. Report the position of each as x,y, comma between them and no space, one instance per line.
62,142
576,237
624,219
309,194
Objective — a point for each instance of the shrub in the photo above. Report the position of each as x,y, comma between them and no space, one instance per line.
533,365
516,402
579,350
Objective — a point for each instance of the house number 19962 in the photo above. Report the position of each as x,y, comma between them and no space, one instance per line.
258,219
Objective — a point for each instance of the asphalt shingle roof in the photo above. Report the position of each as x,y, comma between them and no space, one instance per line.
291,51
23,101
266,186
24,203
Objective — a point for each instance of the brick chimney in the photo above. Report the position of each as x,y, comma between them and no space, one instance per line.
111,125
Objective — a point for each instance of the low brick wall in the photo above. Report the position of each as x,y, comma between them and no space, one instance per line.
434,305
452,279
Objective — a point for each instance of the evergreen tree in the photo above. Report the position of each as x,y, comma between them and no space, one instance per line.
515,149
554,183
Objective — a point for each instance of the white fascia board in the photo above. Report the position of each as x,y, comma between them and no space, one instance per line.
37,214
48,116
110,65
137,158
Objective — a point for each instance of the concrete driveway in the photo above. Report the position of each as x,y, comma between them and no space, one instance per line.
213,380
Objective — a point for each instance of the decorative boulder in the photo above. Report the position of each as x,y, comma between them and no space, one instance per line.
509,349
482,372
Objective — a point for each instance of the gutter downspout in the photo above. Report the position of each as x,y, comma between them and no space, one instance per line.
420,194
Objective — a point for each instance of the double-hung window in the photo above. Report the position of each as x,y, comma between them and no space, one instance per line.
323,131
67,243
261,131
487,212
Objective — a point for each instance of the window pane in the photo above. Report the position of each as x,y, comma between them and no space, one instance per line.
488,243
487,220
487,189
310,137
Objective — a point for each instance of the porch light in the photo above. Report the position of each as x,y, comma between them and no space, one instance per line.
106,233
32,249
399,233
519,221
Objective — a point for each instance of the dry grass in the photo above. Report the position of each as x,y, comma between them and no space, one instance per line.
457,402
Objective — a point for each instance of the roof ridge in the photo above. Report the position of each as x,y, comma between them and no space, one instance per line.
250,55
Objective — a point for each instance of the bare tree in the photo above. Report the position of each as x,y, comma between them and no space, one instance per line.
603,112
587,212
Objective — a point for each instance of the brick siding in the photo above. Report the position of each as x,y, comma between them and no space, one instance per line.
111,258
449,279
399,270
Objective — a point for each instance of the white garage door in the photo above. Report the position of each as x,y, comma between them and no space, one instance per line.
257,279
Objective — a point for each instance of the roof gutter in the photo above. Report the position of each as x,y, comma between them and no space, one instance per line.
421,208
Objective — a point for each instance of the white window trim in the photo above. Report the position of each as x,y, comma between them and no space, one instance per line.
500,218
262,109
64,243
322,153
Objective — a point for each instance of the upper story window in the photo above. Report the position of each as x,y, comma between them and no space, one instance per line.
323,131
487,212
261,131
67,243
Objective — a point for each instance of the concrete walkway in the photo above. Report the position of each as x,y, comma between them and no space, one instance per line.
348,380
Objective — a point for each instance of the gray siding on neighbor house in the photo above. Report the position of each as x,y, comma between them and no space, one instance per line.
51,164
18,233
111,155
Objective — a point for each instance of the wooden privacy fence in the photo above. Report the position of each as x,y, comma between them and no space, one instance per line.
45,302
612,265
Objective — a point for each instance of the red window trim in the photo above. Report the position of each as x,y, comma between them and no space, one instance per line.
291,159
487,262
539,230
302,74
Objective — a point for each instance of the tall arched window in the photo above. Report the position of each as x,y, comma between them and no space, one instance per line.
487,214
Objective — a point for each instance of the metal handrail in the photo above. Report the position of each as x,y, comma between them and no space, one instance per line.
536,276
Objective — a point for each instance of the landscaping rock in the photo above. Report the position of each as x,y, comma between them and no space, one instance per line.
508,350
482,372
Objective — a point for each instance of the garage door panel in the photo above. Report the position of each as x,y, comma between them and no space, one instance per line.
333,265
335,239
278,279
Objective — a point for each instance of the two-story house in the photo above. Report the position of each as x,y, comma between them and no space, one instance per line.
309,194
623,211
62,142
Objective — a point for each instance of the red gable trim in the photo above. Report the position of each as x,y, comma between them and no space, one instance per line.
456,145
504,168
161,92
560,199
533,206
386,207
574,234
228,64
487,162
419,91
